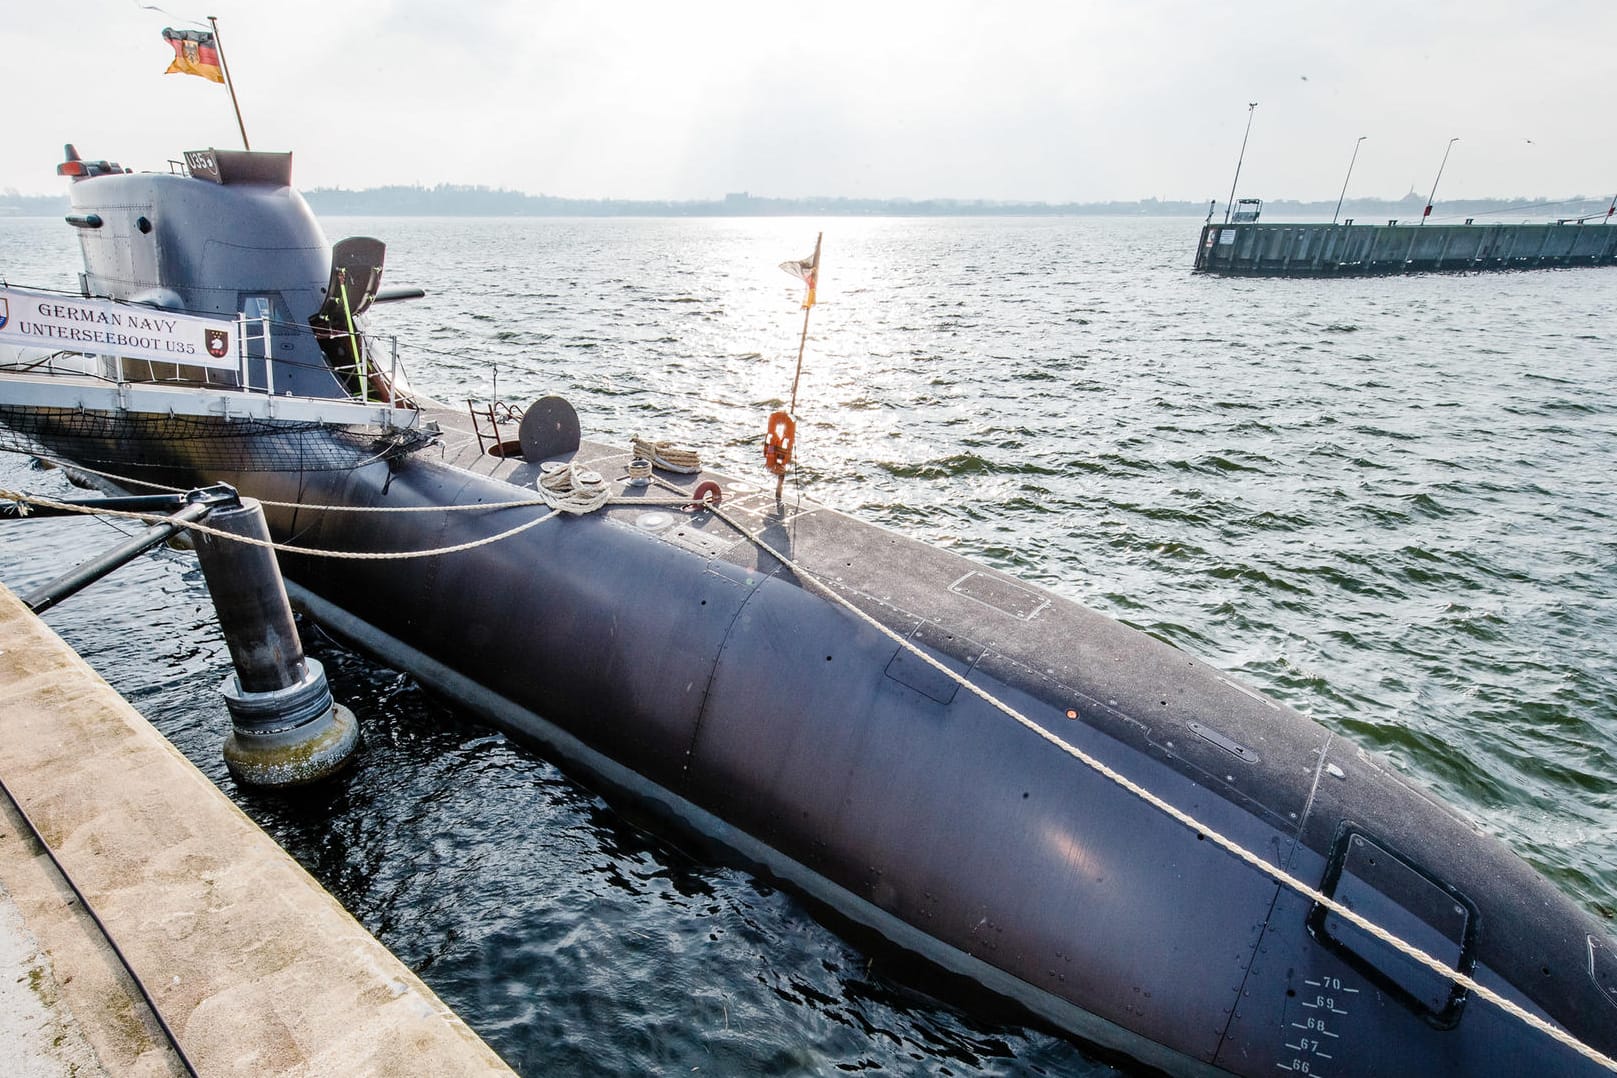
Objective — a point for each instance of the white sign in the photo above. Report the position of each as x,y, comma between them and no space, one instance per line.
102,327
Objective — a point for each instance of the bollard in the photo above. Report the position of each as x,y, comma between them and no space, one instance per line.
286,729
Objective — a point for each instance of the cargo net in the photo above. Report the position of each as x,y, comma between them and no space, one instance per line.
242,445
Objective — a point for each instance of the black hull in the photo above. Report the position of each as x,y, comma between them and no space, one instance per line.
683,666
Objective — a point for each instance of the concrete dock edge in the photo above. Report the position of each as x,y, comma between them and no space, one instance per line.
254,966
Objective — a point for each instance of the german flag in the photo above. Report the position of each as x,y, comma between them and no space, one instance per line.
807,270
194,54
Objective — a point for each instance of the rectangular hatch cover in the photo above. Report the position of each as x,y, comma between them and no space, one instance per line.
1371,879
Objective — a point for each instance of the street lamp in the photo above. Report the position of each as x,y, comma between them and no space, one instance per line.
1345,179
1250,108
1433,196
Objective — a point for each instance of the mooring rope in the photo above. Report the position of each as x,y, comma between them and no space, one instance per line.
567,488
311,506
666,455
517,503
1231,846
562,508
316,552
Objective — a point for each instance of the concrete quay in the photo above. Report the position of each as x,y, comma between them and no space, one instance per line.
254,967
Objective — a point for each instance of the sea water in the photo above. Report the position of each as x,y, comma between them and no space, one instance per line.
1387,502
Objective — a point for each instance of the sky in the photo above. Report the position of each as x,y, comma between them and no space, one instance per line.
1077,101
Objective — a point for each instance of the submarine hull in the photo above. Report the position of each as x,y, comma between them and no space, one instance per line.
671,658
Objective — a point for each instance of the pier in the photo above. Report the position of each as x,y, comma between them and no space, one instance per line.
245,960
1251,249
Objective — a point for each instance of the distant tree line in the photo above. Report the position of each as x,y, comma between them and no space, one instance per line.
14,205
450,200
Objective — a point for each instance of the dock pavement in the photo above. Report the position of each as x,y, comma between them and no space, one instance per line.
253,966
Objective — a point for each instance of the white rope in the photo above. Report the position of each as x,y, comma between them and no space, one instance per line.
1276,873
594,493
24,500
568,488
518,503
314,552
462,507
666,455
131,481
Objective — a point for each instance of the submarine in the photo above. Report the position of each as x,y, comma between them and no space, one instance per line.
1145,853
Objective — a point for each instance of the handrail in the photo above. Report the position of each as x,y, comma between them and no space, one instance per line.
119,370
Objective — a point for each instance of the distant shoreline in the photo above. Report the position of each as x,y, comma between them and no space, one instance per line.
456,201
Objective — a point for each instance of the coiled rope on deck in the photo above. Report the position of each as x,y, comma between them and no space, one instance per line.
568,488
666,455
1274,872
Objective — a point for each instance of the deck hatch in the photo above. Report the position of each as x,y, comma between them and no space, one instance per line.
923,677
1371,879
1002,595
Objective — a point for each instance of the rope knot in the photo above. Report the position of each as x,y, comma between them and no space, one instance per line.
571,489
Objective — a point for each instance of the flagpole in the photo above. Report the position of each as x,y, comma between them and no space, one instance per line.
219,47
802,341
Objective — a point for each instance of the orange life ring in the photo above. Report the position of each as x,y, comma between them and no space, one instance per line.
782,432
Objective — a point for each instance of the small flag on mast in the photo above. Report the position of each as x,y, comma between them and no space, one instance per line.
807,271
194,54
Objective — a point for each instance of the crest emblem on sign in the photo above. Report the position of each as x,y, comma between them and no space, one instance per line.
5,313
218,341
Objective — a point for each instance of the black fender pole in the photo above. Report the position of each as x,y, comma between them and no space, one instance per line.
286,730
81,576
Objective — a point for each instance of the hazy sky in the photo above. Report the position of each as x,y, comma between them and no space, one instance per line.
1049,101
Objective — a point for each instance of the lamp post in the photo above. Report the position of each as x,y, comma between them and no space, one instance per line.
1250,108
1433,196
1346,178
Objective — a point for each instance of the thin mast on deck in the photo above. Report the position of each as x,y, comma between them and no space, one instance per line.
781,432
219,46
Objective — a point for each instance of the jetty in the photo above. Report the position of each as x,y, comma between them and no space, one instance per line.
1253,249
189,942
